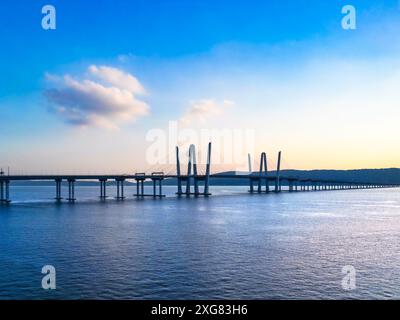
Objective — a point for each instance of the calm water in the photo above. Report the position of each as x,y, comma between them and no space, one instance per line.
233,245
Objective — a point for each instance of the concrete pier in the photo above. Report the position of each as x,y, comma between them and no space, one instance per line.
157,177
103,190
5,191
278,173
139,179
58,197
120,188
71,190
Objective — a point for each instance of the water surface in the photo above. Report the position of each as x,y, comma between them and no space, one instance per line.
230,246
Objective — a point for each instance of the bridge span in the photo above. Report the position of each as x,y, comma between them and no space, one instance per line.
259,182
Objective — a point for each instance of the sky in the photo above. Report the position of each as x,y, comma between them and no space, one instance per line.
117,84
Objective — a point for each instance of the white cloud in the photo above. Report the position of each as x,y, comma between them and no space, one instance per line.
106,101
117,78
200,111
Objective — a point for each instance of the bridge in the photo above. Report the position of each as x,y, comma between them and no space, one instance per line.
259,182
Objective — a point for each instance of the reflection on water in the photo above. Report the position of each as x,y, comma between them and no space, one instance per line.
234,245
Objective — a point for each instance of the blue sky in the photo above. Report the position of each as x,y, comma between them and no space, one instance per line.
274,60
150,29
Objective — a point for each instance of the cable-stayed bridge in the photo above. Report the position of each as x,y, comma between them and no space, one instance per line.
189,183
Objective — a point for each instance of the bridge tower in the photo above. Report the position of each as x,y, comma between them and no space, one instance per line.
262,174
192,164
278,173
208,171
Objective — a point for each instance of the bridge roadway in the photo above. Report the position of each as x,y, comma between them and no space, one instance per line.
253,176
261,180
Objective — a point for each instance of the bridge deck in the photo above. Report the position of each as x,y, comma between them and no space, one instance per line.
253,177
258,183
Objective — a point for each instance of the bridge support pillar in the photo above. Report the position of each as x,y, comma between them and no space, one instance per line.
5,192
120,189
58,190
140,178
8,192
157,177
139,187
103,191
2,198
278,172
71,190
290,185
155,188
251,185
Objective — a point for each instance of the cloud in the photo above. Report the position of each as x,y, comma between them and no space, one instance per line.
117,78
107,98
200,111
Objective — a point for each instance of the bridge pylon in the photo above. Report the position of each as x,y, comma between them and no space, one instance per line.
262,175
189,177
278,174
